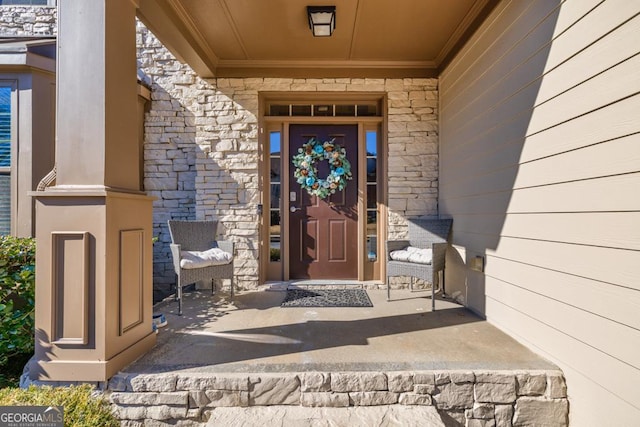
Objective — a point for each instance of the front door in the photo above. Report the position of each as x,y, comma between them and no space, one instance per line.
323,237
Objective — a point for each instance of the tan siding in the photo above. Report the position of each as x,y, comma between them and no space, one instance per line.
588,96
615,303
595,195
597,374
513,42
605,229
498,145
540,170
495,40
502,103
597,23
615,157
616,340
563,106
592,60
580,260
621,119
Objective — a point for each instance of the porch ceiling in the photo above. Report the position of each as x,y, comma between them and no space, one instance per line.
373,38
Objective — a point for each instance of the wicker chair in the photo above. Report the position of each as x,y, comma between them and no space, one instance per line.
424,234
197,236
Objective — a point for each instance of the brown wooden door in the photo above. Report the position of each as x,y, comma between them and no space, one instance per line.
323,237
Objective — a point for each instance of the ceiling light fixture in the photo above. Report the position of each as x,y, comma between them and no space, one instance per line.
322,20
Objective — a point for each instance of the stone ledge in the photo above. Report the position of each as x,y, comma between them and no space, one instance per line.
472,398
372,398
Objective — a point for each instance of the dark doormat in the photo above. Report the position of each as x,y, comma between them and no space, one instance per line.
327,298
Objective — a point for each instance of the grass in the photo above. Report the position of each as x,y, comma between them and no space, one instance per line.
81,406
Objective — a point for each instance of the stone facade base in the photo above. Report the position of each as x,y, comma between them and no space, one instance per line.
464,398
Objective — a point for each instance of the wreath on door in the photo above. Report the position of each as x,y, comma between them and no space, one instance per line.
306,172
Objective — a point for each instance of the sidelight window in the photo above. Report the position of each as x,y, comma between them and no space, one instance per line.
371,141
275,185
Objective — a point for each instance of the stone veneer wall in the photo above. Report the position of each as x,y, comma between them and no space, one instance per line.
201,143
464,398
201,150
28,20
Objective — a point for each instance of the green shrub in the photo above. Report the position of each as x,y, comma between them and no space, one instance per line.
17,296
274,254
81,407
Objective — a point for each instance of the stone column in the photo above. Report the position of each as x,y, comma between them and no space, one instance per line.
94,227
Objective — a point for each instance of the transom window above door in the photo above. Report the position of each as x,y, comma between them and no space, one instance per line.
277,109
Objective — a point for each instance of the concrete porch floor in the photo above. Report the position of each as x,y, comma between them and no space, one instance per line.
255,334
254,363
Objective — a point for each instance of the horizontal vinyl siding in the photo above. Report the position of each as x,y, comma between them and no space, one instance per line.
540,170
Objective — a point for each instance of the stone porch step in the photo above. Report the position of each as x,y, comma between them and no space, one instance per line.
388,415
457,398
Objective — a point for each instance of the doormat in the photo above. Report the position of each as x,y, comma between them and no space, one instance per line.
326,298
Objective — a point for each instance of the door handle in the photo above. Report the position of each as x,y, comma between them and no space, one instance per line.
294,209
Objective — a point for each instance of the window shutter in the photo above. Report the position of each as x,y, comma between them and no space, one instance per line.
5,126
5,160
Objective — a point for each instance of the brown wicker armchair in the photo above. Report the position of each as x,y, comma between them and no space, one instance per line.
424,234
197,236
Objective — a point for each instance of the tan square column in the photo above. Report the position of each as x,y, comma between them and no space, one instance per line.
94,228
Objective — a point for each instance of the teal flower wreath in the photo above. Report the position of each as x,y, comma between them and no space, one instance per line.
306,172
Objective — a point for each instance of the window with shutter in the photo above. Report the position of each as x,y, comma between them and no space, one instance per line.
5,160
